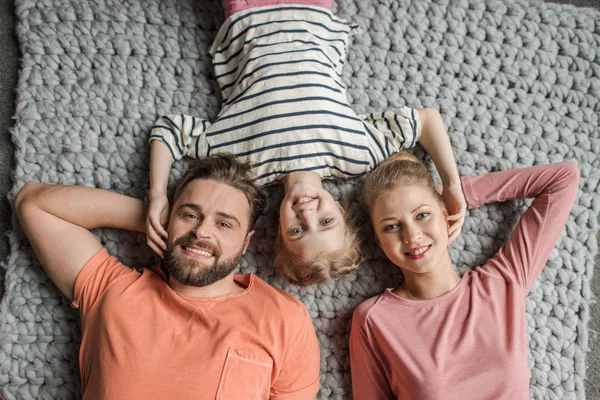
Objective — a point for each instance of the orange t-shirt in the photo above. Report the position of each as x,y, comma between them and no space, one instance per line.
142,340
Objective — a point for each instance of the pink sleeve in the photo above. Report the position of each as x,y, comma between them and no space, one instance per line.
369,380
94,277
299,376
553,188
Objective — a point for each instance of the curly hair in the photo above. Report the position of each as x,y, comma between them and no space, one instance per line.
326,265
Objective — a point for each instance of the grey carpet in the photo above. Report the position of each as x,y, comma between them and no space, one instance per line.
517,83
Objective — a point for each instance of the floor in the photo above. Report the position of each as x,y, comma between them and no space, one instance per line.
9,65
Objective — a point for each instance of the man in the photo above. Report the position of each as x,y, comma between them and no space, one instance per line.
191,328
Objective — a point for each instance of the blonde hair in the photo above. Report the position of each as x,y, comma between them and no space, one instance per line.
400,169
327,265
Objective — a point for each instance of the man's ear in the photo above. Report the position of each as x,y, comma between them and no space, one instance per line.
247,241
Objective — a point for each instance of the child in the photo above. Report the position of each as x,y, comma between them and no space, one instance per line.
285,111
438,335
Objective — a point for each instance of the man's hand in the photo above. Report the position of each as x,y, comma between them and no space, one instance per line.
158,217
457,208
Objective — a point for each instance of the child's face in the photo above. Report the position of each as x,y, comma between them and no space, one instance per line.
311,221
411,226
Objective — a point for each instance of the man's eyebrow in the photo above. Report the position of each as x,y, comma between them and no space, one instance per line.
193,206
228,216
324,229
221,214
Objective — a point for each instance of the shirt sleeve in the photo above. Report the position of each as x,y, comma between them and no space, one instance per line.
554,188
184,135
94,278
369,380
299,375
393,130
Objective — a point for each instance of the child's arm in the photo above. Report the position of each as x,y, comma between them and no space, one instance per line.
435,141
172,137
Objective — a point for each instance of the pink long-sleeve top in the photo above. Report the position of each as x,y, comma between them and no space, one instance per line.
469,343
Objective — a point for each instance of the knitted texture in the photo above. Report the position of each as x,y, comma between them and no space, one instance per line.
516,82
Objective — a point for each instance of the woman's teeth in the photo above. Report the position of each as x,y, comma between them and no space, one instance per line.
420,251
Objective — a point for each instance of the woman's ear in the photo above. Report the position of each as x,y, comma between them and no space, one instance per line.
341,208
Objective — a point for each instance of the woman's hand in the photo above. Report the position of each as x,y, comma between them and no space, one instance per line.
158,217
457,208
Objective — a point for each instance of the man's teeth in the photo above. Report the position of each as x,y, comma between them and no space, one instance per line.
199,251
304,199
420,251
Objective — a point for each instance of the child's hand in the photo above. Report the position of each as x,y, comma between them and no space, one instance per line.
457,208
158,216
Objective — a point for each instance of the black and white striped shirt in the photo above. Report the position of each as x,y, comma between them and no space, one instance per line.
284,103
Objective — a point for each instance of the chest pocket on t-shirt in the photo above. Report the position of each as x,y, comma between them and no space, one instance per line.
245,376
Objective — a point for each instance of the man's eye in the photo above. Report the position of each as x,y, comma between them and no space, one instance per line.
389,227
190,216
326,221
296,231
225,225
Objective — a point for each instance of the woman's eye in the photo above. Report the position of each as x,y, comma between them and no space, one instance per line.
326,221
389,227
423,215
297,231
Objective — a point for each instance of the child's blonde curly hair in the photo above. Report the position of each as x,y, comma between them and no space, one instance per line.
327,265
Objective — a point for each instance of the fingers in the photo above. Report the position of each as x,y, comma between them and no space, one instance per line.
156,249
454,231
459,216
156,240
159,228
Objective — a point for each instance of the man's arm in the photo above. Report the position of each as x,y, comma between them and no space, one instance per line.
56,219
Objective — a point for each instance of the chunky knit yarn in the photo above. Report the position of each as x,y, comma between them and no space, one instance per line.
517,83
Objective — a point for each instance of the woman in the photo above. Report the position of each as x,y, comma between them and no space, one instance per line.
437,335
279,67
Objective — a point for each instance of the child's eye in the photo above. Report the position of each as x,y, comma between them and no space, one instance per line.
296,231
326,221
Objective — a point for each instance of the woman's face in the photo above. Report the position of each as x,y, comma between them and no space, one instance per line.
411,227
311,221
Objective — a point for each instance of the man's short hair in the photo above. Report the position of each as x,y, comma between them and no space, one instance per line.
225,168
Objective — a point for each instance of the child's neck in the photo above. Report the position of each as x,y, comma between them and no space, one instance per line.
301,177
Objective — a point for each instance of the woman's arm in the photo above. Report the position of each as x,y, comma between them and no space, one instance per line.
369,381
554,188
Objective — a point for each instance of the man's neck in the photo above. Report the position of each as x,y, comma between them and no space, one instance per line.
224,287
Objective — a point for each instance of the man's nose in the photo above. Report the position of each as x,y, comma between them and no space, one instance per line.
202,229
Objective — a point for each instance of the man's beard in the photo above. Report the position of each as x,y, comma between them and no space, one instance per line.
189,271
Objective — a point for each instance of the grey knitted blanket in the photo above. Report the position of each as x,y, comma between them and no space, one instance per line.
516,82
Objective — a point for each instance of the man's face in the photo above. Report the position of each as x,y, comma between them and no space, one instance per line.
208,232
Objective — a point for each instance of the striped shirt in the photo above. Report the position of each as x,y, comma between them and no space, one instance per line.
284,103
